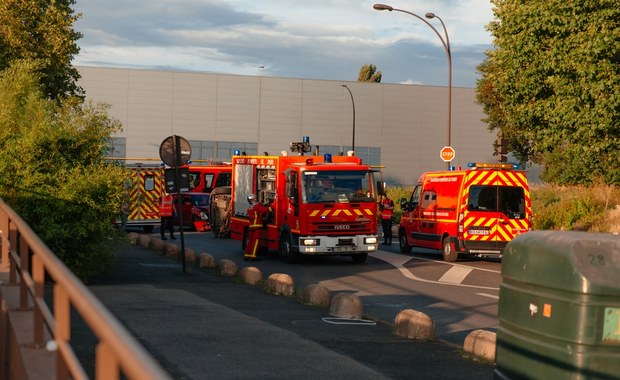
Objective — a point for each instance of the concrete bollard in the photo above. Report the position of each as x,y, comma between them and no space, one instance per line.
143,241
206,260
227,267
316,294
481,344
251,275
345,305
171,250
156,244
281,284
414,324
133,236
190,255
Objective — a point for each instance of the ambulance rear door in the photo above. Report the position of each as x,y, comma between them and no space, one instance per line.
494,215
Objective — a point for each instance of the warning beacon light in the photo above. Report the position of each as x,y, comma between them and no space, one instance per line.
301,147
327,158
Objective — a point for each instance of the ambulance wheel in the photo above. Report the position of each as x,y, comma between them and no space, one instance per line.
286,249
148,229
449,254
359,258
402,242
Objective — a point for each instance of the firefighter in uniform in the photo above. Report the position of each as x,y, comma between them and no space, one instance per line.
257,213
387,216
166,213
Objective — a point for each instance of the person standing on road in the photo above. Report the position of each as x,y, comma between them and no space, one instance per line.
166,214
387,216
257,213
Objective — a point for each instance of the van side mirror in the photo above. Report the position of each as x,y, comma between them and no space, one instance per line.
404,205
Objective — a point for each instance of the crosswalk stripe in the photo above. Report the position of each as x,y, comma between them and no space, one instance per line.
455,275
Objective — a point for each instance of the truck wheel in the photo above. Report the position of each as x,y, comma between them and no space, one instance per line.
286,249
402,242
449,254
148,229
359,258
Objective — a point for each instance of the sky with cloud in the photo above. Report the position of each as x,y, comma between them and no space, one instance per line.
318,39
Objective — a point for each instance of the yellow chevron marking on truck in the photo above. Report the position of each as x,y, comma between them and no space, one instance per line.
347,212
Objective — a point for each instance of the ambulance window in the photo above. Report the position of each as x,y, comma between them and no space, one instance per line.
208,181
149,182
512,201
482,198
428,198
194,180
223,179
415,196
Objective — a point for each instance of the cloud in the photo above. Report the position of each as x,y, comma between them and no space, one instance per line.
323,39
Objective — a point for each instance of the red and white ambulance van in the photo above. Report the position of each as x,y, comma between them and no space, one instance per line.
476,211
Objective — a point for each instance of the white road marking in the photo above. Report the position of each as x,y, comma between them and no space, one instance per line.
398,261
456,275
488,295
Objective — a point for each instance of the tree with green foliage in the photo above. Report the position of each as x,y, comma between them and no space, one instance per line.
552,86
53,171
369,73
41,30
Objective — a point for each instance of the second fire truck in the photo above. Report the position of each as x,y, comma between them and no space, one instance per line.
322,205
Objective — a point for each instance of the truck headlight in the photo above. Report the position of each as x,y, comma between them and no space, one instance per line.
310,241
370,240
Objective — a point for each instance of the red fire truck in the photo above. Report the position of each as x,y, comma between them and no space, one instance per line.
203,179
475,211
322,205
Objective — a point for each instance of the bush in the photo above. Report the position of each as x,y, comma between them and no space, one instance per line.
586,208
52,171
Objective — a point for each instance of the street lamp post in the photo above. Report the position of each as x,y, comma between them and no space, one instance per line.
446,45
353,104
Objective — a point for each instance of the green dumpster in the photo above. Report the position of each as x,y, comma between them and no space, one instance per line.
559,307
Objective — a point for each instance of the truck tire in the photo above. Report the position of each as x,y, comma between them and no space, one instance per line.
449,254
285,249
359,258
148,229
402,242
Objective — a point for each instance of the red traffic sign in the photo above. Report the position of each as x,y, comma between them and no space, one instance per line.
447,153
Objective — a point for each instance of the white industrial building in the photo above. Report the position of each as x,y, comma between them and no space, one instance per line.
401,127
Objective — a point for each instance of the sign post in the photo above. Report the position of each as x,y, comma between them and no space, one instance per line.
447,154
175,151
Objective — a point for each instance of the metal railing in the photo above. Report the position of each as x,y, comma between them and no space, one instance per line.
29,262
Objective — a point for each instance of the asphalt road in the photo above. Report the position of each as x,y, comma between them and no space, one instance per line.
459,297
201,325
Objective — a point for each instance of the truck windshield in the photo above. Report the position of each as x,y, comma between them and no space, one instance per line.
339,186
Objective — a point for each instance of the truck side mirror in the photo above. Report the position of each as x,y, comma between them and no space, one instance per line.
379,188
